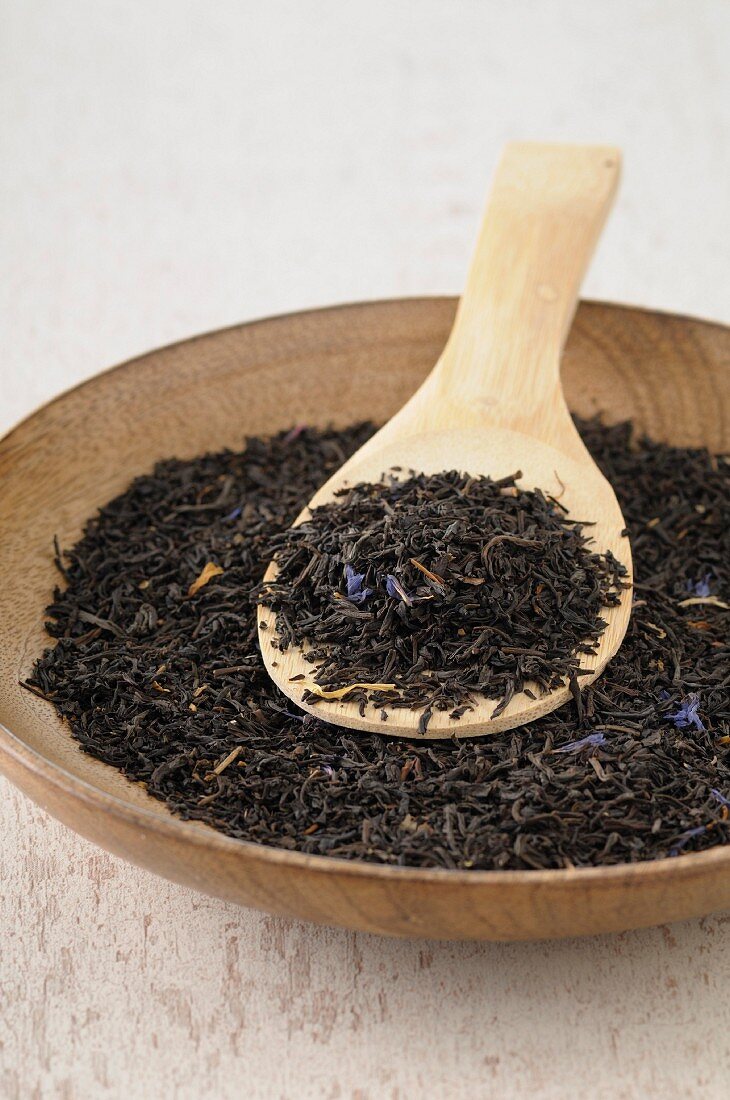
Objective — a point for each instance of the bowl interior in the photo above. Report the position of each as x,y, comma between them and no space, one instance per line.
329,366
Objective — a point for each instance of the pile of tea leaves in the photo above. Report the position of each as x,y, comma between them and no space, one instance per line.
437,589
157,670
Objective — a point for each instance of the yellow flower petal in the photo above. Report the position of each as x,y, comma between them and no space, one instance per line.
713,600
339,693
209,571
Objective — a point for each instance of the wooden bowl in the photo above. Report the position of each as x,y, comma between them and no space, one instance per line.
336,365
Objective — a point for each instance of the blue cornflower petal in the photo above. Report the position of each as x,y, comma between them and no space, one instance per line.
720,797
395,589
575,746
235,513
356,592
687,714
685,838
701,588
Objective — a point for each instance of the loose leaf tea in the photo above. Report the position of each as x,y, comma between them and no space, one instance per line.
439,588
170,687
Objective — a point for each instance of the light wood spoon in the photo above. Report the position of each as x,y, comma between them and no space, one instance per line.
493,403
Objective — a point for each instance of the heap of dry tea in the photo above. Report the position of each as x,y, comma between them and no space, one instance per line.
155,666
439,588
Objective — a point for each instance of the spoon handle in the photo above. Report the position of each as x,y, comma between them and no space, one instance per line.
501,364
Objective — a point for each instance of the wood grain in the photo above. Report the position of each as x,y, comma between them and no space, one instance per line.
62,462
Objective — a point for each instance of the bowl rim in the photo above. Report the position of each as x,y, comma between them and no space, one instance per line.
201,836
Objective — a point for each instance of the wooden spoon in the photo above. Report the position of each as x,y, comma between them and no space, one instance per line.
493,403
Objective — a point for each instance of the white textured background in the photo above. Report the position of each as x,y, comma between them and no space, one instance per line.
172,166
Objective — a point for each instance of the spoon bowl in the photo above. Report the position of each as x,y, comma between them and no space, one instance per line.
501,452
493,405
